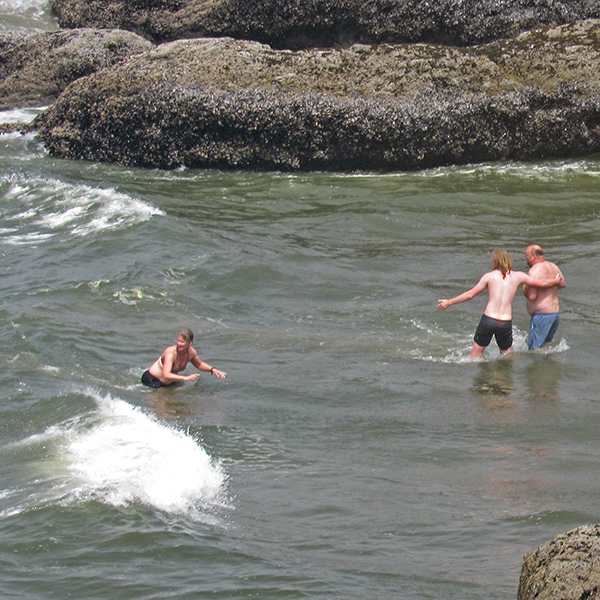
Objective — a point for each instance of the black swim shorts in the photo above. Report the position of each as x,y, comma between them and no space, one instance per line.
488,327
149,380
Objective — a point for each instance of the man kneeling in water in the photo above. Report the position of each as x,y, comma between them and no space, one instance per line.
174,359
502,284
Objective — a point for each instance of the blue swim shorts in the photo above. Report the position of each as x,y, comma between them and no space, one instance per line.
542,328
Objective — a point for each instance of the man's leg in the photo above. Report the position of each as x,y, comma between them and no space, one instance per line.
552,331
542,329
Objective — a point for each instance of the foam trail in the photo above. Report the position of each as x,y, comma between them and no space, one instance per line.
26,15
37,208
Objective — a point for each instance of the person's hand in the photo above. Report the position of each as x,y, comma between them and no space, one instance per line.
192,377
218,373
443,304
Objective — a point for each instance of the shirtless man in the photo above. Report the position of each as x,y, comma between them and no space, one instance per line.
542,304
165,370
502,284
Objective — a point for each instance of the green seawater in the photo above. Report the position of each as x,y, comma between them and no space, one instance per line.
353,451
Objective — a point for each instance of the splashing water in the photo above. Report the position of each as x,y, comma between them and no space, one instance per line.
122,456
129,456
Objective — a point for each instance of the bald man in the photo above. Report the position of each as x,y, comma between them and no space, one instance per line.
542,304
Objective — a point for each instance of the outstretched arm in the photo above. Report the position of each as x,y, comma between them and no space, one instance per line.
202,366
444,303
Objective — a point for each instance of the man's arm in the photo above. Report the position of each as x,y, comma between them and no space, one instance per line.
544,283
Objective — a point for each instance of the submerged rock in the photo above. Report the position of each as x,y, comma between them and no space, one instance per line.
227,103
36,67
565,568
296,24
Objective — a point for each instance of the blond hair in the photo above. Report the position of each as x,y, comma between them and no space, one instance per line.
502,261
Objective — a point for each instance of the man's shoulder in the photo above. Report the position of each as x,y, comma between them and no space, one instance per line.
546,267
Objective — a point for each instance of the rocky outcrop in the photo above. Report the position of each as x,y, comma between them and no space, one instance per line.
232,104
565,568
296,24
35,68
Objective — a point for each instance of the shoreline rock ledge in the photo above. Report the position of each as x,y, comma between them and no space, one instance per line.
298,24
225,103
565,568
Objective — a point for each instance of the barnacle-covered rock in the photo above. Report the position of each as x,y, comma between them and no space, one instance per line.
296,24
234,104
36,67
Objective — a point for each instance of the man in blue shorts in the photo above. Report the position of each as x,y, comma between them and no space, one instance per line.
542,304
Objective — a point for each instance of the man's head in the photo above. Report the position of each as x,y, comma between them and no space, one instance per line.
534,254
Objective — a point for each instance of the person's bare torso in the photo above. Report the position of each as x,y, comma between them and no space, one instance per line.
545,300
180,361
502,291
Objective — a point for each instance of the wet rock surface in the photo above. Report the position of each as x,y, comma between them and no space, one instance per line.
233,104
565,568
378,84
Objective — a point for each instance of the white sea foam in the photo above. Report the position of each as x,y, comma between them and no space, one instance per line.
129,456
20,115
122,456
433,344
19,6
41,208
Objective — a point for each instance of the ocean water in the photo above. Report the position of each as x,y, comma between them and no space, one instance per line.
353,451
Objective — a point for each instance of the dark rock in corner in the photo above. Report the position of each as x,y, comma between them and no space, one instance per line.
296,24
232,104
565,568
35,68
